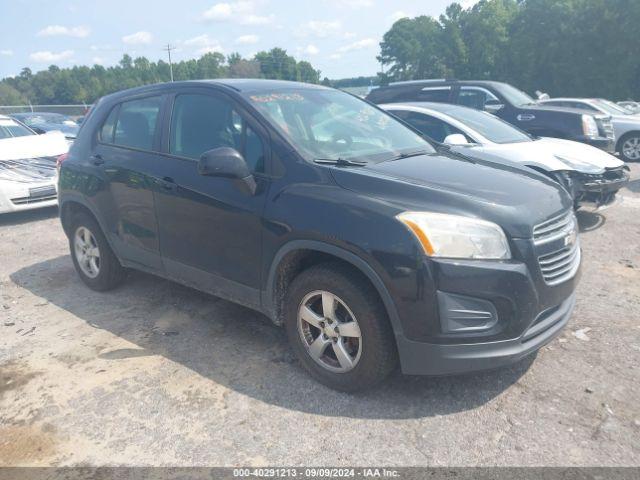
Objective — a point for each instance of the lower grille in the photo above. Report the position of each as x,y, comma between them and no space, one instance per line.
561,265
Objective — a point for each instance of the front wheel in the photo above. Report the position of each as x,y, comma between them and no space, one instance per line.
629,148
339,329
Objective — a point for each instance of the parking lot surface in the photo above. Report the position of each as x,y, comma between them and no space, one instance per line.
154,373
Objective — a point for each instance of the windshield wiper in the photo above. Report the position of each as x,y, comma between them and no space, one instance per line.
401,156
340,162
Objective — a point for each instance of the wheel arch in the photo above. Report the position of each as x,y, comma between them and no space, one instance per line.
624,137
297,255
73,204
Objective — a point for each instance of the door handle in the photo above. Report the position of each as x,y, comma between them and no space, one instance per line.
96,159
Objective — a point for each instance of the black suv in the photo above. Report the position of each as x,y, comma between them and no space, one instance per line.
508,103
328,215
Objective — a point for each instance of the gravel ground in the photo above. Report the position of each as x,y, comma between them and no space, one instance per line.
157,374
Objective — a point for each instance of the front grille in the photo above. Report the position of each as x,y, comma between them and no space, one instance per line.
29,200
561,265
37,195
554,228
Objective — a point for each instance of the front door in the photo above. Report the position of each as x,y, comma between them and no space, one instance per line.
210,227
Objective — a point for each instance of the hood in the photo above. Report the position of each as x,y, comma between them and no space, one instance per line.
551,154
552,108
514,198
33,146
70,131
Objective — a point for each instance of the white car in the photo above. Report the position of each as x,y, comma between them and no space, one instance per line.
590,175
28,166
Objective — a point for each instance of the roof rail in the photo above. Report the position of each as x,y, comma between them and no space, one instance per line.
426,80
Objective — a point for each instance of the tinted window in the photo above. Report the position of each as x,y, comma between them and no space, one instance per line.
476,97
136,123
106,132
10,128
432,127
440,95
202,122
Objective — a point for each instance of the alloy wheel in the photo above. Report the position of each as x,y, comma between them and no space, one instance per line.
631,148
87,252
329,331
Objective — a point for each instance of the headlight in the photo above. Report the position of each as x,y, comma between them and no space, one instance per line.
589,126
452,236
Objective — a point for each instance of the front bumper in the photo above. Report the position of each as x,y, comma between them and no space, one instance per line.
595,190
19,196
603,143
432,359
474,315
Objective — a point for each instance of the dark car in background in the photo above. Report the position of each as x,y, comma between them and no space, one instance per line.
329,216
43,122
509,104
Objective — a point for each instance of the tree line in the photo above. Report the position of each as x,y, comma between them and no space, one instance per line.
82,84
562,47
581,48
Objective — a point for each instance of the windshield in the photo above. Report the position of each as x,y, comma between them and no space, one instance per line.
611,108
489,126
514,96
328,124
11,128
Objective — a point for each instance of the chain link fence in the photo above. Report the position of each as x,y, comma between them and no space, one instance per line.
73,111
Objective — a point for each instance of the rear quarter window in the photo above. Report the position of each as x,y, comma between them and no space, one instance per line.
132,124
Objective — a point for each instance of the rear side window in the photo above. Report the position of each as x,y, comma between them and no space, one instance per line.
132,124
440,95
106,132
200,123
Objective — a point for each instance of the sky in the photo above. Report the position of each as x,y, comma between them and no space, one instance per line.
339,37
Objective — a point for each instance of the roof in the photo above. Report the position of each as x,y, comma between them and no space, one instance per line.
438,107
245,85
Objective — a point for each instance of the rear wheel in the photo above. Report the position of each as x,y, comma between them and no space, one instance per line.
339,329
92,256
629,147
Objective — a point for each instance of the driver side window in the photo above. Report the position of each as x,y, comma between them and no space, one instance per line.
200,123
432,127
476,98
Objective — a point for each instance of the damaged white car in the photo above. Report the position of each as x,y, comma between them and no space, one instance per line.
590,175
28,166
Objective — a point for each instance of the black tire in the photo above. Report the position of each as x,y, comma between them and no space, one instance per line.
621,142
378,356
111,273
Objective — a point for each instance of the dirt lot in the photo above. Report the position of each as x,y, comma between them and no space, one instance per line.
158,374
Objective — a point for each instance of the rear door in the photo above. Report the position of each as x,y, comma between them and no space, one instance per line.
211,227
127,152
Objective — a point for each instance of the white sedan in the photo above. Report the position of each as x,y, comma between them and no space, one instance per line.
590,175
28,166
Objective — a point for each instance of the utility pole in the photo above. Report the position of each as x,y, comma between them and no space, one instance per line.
168,49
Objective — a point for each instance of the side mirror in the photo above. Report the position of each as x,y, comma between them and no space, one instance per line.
456,139
223,162
493,106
